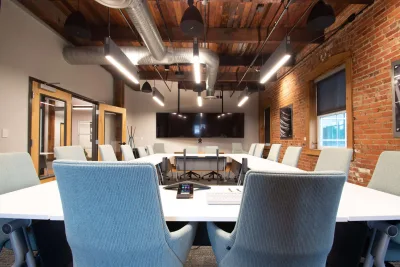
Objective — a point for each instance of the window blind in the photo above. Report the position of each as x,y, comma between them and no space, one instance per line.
331,93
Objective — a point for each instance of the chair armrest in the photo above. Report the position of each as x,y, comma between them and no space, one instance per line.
181,240
221,241
14,225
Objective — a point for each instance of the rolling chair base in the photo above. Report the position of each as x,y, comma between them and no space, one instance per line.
213,175
191,175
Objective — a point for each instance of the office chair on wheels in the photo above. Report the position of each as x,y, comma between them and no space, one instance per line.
190,174
214,174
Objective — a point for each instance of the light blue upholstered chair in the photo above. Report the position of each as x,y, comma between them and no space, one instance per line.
386,178
334,159
113,216
292,155
127,152
142,152
259,150
273,154
252,148
150,150
285,219
237,148
70,152
17,172
210,150
192,150
107,153
159,148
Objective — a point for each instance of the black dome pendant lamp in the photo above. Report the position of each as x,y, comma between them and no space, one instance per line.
321,16
146,88
76,25
192,22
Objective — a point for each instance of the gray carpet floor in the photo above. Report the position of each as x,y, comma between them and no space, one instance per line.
199,256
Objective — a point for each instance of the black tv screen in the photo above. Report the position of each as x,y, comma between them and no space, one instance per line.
195,125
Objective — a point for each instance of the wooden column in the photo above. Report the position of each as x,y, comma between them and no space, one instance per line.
119,93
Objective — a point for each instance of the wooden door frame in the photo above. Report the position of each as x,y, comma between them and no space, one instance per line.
34,130
101,127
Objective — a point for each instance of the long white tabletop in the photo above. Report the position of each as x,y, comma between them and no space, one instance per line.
42,202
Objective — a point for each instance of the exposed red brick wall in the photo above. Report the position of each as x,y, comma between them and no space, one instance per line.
374,41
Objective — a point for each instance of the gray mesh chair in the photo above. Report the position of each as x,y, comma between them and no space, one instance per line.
386,178
274,152
192,150
159,148
125,225
127,152
142,151
252,148
107,153
292,155
334,159
259,150
150,150
17,172
70,152
285,219
237,148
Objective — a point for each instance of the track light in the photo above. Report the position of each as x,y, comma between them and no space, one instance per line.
199,100
243,97
279,58
116,57
158,97
196,61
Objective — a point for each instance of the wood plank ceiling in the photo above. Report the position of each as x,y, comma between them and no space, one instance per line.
234,29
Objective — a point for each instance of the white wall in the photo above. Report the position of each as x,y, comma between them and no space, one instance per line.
141,113
29,48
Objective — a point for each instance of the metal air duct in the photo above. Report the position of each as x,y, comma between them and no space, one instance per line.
155,53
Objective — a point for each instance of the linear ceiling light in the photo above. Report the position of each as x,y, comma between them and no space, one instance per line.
279,58
116,57
82,107
243,97
199,100
196,61
158,97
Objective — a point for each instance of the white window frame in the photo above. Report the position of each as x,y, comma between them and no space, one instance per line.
320,146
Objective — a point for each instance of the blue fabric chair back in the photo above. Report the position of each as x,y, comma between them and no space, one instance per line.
113,214
70,152
286,220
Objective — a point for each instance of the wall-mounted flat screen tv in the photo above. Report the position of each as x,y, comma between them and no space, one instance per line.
195,125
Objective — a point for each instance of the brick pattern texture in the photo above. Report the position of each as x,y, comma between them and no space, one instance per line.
374,41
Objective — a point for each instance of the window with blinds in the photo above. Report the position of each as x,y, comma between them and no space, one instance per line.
331,110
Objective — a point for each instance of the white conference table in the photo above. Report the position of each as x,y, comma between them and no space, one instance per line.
42,202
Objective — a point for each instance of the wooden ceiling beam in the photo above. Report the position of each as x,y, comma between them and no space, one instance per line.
216,35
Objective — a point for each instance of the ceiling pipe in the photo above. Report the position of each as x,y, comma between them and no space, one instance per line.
157,53
142,56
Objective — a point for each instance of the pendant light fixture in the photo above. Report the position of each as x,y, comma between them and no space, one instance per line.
146,88
196,61
158,97
321,16
192,22
117,58
76,25
243,97
278,59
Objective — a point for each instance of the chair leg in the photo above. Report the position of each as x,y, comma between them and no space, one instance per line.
369,259
379,251
30,259
19,247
